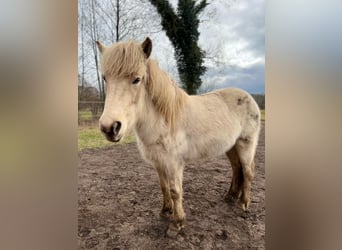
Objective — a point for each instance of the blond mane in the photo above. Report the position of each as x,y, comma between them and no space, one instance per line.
123,59
167,98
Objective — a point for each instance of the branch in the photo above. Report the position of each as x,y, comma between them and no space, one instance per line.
169,17
200,7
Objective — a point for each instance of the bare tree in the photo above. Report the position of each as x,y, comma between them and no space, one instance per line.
126,19
81,55
94,37
110,21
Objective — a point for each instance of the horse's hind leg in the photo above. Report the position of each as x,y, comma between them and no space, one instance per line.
246,151
167,209
237,178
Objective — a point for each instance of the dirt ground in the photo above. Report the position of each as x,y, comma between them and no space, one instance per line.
120,200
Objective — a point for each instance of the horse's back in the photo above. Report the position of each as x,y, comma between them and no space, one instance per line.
240,102
213,122
235,97
235,107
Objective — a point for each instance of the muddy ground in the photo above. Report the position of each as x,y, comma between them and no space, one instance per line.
120,200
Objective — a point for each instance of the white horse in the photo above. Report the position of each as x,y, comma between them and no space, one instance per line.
172,127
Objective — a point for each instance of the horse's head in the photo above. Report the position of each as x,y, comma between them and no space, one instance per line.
123,69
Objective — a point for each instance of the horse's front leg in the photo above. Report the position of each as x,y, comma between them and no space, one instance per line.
167,209
176,190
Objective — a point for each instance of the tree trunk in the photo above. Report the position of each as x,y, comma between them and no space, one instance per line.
182,30
117,21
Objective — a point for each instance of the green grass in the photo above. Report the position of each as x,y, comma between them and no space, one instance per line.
85,115
90,137
263,115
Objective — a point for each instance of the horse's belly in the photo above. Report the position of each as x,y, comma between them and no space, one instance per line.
183,148
204,148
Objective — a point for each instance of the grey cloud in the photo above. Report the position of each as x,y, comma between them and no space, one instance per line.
239,27
250,79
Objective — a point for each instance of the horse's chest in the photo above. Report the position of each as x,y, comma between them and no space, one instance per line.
162,149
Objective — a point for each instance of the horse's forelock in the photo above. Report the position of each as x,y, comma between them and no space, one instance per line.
123,59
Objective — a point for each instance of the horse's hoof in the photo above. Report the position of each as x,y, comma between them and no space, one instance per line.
174,228
244,205
172,233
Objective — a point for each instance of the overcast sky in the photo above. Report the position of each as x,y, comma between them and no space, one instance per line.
237,33
232,31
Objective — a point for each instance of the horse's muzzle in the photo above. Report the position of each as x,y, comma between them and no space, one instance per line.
112,131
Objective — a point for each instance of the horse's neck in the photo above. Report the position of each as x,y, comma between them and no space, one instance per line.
161,103
149,123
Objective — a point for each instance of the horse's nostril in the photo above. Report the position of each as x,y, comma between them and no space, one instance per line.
104,129
116,127
111,130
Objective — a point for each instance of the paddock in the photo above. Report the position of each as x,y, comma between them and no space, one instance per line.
120,200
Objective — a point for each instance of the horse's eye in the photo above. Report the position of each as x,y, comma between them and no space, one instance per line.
136,80
104,78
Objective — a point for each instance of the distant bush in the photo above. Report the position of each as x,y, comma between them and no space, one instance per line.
260,100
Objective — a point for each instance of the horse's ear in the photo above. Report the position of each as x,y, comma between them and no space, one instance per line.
147,47
101,46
